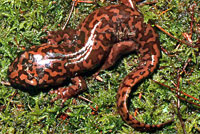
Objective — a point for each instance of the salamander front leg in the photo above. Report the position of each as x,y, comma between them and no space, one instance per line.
56,37
64,93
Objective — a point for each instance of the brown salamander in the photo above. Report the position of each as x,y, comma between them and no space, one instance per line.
98,42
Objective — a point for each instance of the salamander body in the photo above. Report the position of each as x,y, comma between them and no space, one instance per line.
98,42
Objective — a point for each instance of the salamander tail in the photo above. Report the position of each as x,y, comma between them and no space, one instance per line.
147,65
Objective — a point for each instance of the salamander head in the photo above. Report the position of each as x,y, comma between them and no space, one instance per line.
22,72
34,70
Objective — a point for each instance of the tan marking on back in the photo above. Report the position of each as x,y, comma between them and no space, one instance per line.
138,25
87,65
75,69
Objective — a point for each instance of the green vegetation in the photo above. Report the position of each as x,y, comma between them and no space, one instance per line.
23,23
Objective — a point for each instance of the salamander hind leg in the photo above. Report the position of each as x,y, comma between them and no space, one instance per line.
64,93
117,51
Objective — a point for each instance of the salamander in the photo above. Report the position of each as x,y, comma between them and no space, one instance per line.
97,43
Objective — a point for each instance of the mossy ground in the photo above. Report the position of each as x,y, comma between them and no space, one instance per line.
23,23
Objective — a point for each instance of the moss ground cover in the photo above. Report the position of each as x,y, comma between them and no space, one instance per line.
23,23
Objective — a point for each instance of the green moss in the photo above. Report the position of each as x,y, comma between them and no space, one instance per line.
24,22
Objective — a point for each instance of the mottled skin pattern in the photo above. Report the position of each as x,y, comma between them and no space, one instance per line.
98,42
